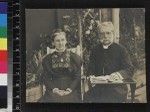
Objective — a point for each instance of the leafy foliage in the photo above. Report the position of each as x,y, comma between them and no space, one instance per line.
132,35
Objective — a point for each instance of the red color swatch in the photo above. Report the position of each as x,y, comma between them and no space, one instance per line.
3,56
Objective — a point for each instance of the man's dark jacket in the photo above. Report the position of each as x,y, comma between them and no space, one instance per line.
107,61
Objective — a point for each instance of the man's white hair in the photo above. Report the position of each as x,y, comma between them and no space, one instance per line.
106,26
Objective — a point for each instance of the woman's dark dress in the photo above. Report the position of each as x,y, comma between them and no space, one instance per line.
61,70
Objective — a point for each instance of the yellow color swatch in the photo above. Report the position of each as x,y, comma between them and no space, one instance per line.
3,43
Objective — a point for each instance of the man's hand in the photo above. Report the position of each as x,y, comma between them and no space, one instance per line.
91,80
116,76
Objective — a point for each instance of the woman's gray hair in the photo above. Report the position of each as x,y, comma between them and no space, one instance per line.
57,32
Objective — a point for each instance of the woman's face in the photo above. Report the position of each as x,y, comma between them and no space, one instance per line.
60,42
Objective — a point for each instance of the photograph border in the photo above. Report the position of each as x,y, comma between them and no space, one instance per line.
85,107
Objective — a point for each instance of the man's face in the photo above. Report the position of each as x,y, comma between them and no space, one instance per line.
106,36
60,42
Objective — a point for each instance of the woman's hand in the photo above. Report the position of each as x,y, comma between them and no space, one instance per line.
58,91
67,91
62,92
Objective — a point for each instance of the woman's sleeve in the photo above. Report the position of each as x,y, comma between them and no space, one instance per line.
47,76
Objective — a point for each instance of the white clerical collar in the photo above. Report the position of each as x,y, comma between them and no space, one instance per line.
106,46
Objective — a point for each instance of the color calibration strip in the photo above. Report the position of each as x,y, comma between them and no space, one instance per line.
3,55
3,44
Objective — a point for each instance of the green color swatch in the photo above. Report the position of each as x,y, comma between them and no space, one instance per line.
3,32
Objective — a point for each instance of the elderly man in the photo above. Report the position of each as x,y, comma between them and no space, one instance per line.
111,61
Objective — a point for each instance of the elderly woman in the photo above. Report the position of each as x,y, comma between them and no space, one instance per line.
61,75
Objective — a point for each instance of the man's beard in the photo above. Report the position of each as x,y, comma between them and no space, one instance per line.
106,42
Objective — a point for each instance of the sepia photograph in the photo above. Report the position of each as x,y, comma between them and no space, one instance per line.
92,55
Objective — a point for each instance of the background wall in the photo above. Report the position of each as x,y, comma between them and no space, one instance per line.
39,23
